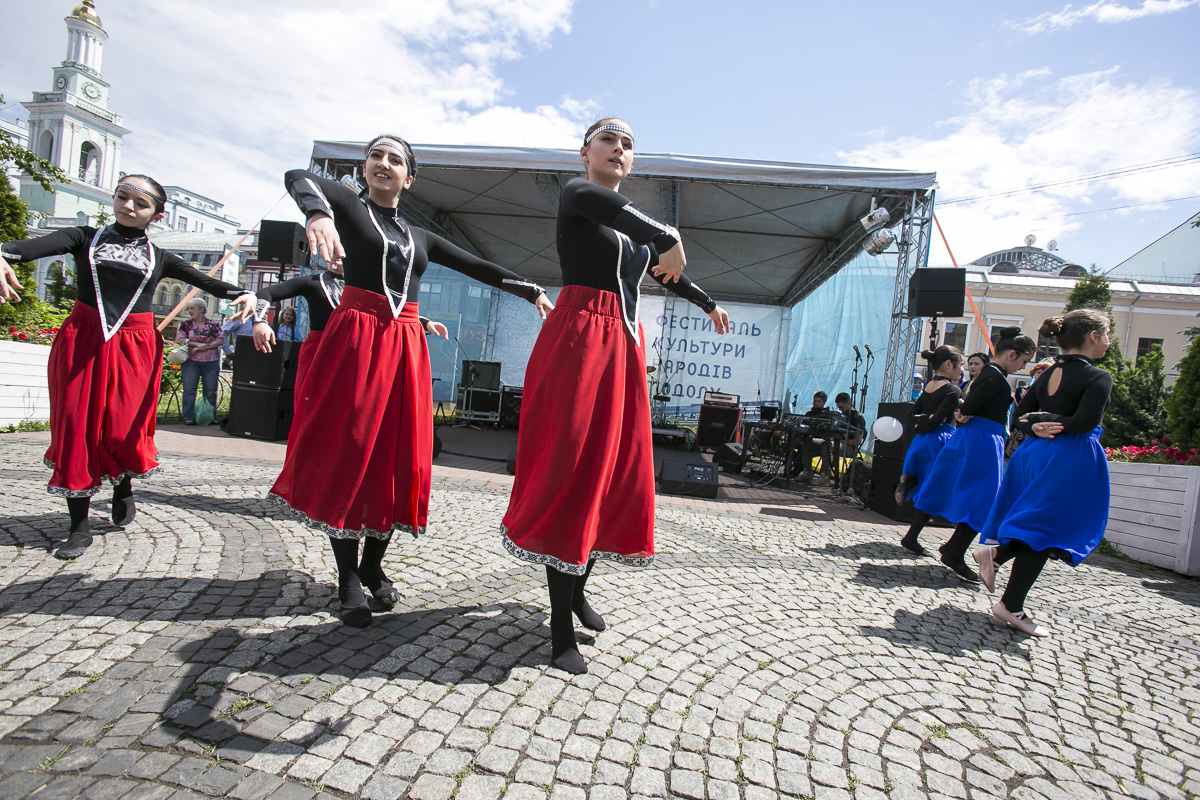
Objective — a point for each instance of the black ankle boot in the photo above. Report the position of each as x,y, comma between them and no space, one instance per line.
354,609
370,572
80,539
910,543
123,507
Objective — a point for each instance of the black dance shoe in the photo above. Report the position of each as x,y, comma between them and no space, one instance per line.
912,546
961,569
587,615
354,610
383,594
568,660
79,541
123,511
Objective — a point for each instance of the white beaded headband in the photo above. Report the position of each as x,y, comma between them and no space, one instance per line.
151,195
609,127
394,146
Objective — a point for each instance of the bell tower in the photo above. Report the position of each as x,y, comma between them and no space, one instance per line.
72,128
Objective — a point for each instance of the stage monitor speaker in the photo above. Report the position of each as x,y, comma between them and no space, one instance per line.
898,449
511,465
510,406
936,292
481,375
259,413
273,370
885,477
767,412
691,478
282,243
717,425
730,457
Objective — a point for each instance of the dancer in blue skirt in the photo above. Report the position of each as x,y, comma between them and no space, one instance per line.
931,417
966,474
1053,502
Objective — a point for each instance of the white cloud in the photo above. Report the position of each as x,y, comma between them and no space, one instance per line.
1103,11
224,96
1034,129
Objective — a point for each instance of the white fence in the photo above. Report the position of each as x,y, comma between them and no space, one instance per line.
23,391
1152,514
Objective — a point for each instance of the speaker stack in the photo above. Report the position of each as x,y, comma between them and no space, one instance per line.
479,391
260,405
936,292
282,243
719,420
690,478
888,464
510,406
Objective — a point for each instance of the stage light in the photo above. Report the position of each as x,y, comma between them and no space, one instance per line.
879,241
877,217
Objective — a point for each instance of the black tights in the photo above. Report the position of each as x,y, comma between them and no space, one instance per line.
954,551
1027,566
345,555
564,652
372,557
78,508
920,520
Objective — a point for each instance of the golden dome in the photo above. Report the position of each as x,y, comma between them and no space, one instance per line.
86,11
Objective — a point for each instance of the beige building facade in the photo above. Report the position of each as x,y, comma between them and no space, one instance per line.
1144,313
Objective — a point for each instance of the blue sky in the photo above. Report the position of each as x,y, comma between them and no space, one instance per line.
991,96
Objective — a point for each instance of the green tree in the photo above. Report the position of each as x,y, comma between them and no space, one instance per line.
61,290
14,216
1183,406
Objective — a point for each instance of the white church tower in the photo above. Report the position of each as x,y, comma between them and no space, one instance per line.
72,128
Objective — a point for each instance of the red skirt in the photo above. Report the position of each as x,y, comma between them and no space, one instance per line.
307,348
103,400
358,463
585,472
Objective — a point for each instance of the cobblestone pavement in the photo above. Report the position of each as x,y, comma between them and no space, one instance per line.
764,655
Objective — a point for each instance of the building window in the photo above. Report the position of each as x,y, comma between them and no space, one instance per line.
89,163
955,335
1144,346
176,295
181,223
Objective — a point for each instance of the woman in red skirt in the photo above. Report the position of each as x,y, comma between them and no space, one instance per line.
587,492
358,467
106,361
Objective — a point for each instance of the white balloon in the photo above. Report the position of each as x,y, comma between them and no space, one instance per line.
887,429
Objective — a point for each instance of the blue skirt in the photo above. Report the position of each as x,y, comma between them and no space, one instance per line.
966,475
1054,497
924,449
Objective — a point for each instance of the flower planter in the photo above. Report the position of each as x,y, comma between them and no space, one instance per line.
1154,514
24,394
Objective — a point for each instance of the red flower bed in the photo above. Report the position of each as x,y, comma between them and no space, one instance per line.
30,335
1160,451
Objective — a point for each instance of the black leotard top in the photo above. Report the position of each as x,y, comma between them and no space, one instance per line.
934,409
606,243
386,255
117,269
322,290
1078,404
990,396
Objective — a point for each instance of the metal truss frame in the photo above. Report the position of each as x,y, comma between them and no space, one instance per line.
916,232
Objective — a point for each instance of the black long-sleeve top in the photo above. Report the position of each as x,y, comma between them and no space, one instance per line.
384,254
1079,403
990,396
934,409
605,242
117,268
322,290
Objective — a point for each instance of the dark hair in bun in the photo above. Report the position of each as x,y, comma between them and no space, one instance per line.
1073,328
935,358
1011,338
986,358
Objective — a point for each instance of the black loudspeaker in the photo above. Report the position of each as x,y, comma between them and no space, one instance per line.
259,413
691,478
767,412
885,477
273,370
717,425
898,449
481,375
282,242
730,457
510,466
937,292
510,406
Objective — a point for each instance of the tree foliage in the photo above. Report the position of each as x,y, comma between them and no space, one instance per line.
1183,406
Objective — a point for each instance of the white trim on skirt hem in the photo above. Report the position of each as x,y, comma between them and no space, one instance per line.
516,551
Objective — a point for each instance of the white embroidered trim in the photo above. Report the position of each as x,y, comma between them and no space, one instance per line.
662,226
59,491
412,252
341,533
108,334
631,321
516,551
320,196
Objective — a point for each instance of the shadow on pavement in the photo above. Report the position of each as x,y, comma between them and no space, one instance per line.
950,631
924,575
858,552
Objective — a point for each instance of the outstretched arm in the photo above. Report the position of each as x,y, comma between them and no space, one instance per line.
449,255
